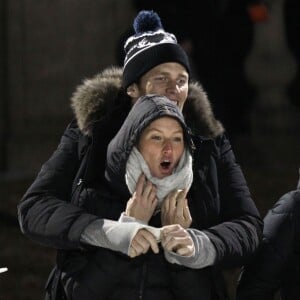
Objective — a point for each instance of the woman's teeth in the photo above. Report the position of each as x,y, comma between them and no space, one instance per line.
165,164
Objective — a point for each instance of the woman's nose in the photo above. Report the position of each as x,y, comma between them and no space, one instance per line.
167,147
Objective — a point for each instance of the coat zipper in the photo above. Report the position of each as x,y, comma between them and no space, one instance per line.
143,279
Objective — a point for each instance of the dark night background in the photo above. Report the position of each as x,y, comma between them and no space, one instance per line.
48,47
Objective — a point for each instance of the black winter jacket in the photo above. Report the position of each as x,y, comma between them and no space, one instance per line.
276,267
61,202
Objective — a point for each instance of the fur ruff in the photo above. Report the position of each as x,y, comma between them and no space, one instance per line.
90,100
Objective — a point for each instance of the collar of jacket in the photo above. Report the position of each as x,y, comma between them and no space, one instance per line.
204,149
96,97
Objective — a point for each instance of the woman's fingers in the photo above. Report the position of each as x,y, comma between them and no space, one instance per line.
149,193
141,243
175,209
140,185
175,238
145,190
186,251
143,201
180,203
187,214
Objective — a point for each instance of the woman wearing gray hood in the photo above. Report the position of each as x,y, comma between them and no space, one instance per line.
149,157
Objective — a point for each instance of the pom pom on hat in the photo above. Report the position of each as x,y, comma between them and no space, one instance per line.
147,21
150,46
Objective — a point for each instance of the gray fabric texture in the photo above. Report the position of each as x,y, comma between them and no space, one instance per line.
114,235
204,255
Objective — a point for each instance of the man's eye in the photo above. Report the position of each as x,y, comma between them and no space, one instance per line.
181,82
160,78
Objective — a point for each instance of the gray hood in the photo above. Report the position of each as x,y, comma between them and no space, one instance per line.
145,110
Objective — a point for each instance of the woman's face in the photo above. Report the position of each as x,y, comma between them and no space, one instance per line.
162,144
167,79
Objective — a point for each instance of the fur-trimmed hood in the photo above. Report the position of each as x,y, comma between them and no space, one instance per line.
94,97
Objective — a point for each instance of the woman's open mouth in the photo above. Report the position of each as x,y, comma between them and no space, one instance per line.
165,164
166,167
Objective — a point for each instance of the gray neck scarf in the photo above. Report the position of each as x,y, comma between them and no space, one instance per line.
181,178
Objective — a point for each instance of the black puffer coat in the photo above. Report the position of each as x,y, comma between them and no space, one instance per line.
276,267
61,202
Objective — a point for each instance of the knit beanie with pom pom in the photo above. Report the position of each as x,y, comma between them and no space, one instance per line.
150,46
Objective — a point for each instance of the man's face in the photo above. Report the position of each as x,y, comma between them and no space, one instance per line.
168,79
162,144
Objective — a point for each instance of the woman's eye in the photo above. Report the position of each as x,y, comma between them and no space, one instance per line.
178,139
156,138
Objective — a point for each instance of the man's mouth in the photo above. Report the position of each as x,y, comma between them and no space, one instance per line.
174,100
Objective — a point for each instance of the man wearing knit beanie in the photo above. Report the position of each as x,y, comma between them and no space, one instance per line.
149,47
73,207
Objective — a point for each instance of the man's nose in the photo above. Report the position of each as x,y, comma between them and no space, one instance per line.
173,86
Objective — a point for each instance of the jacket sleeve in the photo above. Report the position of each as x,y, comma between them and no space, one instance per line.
263,276
45,212
239,231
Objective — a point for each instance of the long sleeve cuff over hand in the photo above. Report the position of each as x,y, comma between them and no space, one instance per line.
114,235
204,255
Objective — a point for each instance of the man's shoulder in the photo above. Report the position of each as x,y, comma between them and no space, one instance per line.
94,95
199,113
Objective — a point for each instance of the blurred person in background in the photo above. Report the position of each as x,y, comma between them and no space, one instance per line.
276,266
